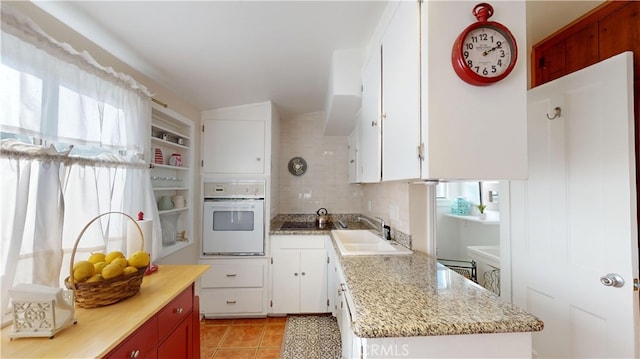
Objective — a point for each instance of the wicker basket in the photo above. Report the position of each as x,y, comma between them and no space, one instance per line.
105,292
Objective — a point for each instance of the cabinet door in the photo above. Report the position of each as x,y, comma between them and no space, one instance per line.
313,281
401,94
285,275
233,146
369,121
179,344
352,154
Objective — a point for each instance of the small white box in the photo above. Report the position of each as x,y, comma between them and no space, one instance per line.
40,311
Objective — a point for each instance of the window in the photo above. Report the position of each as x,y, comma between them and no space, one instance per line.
73,142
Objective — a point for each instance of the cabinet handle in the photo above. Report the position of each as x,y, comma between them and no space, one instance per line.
178,310
231,275
258,159
231,302
374,124
134,354
303,273
296,274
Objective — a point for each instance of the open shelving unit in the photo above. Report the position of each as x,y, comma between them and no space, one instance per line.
172,175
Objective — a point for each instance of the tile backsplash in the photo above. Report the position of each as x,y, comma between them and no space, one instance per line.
325,184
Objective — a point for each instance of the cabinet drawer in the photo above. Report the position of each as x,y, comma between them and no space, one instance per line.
298,242
225,301
141,344
174,312
233,275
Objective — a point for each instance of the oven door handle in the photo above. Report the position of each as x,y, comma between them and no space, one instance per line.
233,206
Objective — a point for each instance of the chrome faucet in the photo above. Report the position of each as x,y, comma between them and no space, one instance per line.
380,229
381,225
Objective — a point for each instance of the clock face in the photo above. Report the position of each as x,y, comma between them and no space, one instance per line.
487,51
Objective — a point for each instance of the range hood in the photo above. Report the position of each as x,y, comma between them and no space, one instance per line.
344,96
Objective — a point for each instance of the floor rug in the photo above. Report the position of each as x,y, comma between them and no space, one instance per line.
311,337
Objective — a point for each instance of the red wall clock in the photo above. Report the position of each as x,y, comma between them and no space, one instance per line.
486,51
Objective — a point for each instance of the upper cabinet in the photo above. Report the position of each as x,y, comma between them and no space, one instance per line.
401,94
237,140
368,128
430,124
233,146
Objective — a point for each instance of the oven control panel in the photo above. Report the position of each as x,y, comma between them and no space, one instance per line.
234,189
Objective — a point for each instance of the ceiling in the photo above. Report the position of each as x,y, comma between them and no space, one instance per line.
225,53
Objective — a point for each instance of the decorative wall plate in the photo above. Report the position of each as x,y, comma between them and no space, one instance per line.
297,166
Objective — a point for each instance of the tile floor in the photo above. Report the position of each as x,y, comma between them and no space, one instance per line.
259,338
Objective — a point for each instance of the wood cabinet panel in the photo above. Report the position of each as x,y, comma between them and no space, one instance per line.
178,344
141,344
581,49
619,32
175,312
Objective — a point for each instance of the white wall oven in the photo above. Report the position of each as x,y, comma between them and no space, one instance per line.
233,219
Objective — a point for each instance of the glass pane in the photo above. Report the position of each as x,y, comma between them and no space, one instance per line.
233,221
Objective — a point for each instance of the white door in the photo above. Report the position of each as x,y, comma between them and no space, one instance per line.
574,220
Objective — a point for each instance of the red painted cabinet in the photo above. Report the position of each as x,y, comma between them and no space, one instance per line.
170,333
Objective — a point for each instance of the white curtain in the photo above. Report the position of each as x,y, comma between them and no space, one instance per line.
75,136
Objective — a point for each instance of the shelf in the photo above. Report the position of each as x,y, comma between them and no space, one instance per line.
170,188
169,131
162,142
492,218
170,167
166,250
174,210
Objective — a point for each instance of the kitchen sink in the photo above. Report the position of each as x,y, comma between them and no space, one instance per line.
366,242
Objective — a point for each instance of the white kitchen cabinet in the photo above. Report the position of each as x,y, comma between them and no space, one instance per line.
389,132
240,140
299,274
434,125
368,127
401,94
233,146
172,176
352,153
233,287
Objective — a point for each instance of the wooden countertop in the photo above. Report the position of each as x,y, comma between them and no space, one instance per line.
99,330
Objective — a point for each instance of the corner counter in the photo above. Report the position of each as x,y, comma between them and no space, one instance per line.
100,330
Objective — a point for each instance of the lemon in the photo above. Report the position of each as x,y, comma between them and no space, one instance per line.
113,255
130,270
122,262
139,259
111,271
95,278
82,270
97,267
96,257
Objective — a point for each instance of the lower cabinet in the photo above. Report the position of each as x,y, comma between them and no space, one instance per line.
168,334
299,274
233,287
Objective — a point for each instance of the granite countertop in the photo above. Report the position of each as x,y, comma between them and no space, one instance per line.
414,295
